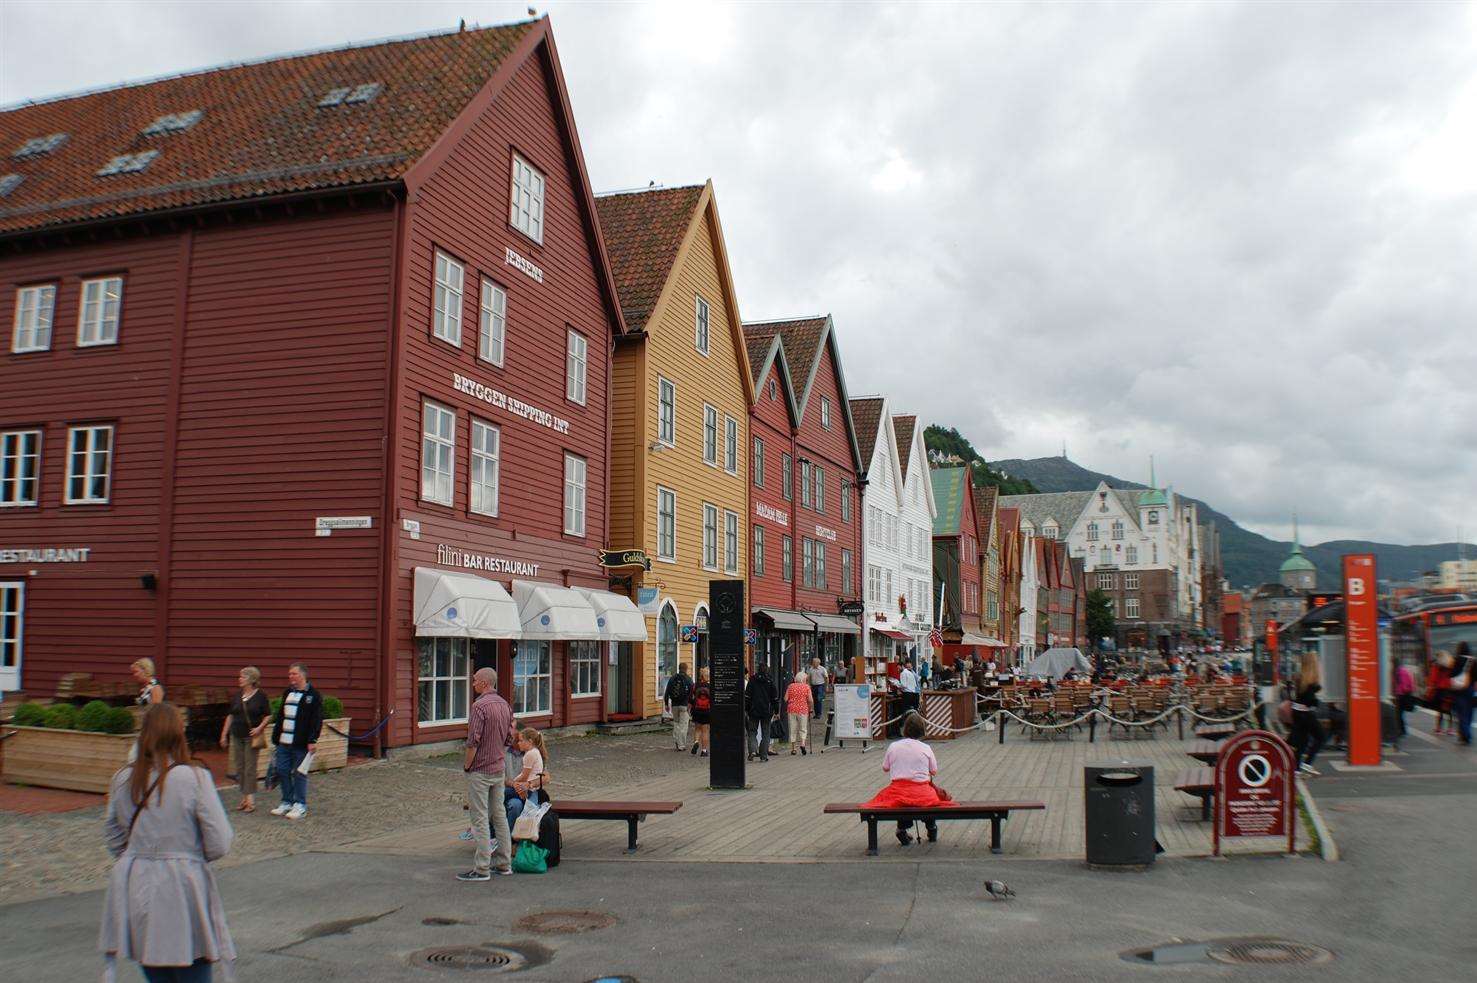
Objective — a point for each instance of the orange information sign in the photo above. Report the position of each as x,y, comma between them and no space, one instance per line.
1272,647
1362,656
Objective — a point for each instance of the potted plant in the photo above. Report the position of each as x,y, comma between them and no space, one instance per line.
60,746
333,742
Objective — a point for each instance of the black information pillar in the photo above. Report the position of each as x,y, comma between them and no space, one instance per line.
726,666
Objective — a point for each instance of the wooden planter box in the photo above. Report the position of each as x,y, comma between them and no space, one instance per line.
333,750
72,759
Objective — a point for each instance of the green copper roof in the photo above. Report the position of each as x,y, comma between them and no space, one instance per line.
948,495
1296,561
1153,497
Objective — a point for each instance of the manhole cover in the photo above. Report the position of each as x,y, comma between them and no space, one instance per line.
1266,952
564,922
486,957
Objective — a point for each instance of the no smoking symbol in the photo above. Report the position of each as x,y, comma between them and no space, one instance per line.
1255,770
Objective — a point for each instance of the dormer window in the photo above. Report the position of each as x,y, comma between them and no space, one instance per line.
1049,530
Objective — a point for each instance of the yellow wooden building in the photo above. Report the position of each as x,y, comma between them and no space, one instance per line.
679,456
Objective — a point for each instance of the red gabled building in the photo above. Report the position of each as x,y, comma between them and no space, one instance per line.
805,499
957,566
321,374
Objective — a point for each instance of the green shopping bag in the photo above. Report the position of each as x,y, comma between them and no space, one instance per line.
530,858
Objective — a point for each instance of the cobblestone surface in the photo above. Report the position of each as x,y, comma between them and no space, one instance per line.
49,854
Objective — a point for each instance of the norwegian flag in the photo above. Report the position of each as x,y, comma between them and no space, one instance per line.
936,638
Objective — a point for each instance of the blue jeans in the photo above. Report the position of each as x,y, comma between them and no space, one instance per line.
1461,710
515,805
819,692
197,973
294,785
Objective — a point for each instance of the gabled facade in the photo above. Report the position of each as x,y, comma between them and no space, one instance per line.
897,565
680,443
1007,521
1030,595
344,403
956,565
986,506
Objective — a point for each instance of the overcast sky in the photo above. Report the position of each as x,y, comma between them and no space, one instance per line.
1240,237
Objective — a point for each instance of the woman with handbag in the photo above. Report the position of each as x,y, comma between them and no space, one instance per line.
244,732
165,825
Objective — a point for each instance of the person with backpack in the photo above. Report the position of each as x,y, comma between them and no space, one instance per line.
702,713
678,699
760,700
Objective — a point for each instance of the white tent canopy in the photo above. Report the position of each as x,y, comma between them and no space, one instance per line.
461,605
617,617
1055,663
551,613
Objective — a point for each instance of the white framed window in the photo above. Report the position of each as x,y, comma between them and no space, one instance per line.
730,541
12,631
1105,581
773,389
666,647
700,325
102,299
666,412
1131,555
584,668
89,465
845,501
438,452
730,445
757,551
710,536
574,495
443,682
446,318
819,494
20,468
492,324
1049,530
575,367
1130,581
821,580
1117,529
805,484
527,207
1092,532
846,572
666,524
486,443
807,562
710,435
34,309
825,413
1131,607
787,473
787,558
533,678
758,464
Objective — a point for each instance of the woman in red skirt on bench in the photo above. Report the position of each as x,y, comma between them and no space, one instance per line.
912,766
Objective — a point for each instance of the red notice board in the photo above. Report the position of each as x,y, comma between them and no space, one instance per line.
1254,792
1362,655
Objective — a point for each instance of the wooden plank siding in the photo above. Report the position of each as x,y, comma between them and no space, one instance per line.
463,210
94,616
831,449
715,379
770,421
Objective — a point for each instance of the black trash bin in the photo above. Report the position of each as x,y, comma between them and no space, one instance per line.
1120,813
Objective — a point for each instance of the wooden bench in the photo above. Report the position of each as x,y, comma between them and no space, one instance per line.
995,812
631,812
1205,751
1215,732
1199,782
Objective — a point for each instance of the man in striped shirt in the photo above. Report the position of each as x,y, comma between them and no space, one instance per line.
489,735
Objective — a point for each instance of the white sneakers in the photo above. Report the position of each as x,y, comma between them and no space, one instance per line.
281,810
294,811
1308,769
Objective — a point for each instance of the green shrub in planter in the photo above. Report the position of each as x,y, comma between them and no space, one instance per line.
29,715
118,721
333,708
63,716
93,717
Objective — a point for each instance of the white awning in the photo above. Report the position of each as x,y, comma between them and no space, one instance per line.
552,613
787,620
971,639
461,605
617,617
834,623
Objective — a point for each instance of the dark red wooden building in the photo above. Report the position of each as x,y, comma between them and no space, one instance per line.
310,362
806,500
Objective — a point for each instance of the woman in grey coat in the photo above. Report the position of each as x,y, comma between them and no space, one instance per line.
165,824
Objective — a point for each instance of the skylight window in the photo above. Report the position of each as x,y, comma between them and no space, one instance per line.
173,123
350,94
39,146
9,183
128,163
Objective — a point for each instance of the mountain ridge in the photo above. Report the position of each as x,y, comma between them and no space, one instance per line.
1248,558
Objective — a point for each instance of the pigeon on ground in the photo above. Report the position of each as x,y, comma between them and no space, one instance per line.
999,890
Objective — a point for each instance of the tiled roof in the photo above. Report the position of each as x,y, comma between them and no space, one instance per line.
802,340
984,510
866,416
1064,507
261,131
902,428
949,494
758,338
643,231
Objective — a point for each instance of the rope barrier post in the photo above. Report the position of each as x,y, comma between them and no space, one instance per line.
1181,718
1000,717
1091,726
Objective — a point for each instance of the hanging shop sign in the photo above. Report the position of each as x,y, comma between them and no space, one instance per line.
451,556
611,559
648,600
411,526
324,525
509,404
56,554
851,608
825,533
689,633
1362,654
518,262
771,513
